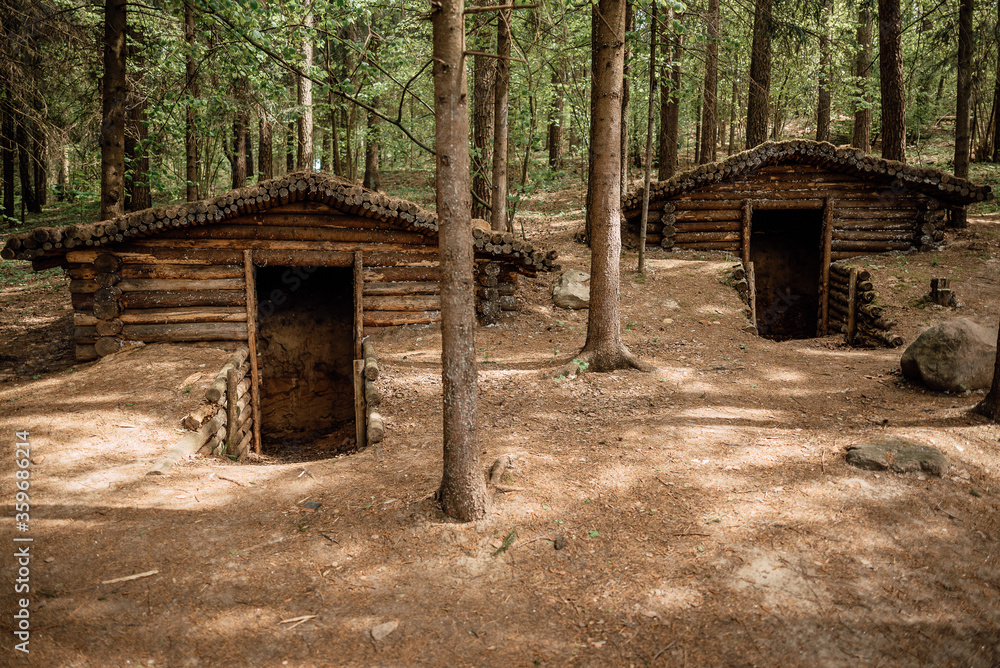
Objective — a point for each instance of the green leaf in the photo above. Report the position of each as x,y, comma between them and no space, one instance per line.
593,533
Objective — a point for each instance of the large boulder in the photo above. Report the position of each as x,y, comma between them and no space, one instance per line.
953,356
572,290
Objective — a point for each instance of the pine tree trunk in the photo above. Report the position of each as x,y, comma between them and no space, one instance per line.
891,77
7,153
63,178
265,149
670,107
238,157
710,92
28,199
555,120
825,68
463,490
626,97
338,166
732,116
373,179
963,93
304,160
484,101
996,90
114,95
759,96
137,195
249,147
498,199
40,165
990,405
191,155
861,135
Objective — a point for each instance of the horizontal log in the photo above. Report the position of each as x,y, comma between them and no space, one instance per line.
165,299
873,235
173,316
111,327
85,352
880,212
684,238
218,387
394,318
870,246
702,215
884,225
188,445
714,226
132,254
269,231
285,245
179,284
402,288
507,303
402,303
184,332
392,274
83,286
710,245
182,271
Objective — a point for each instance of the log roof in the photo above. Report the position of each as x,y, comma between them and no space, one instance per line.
847,160
46,245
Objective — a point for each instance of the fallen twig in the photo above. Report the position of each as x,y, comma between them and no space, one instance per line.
130,577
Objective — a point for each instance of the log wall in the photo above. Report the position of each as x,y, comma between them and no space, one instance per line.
227,407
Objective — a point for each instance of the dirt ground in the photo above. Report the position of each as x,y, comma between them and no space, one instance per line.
704,511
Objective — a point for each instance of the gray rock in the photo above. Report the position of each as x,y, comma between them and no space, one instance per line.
572,290
898,454
953,356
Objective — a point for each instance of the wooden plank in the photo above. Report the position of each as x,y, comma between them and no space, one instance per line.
359,319
185,332
824,279
157,284
166,316
250,283
402,288
360,413
394,318
403,303
745,232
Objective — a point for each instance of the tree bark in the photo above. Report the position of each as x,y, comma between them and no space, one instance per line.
603,350
265,148
484,102
891,78
825,68
191,156
759,96
373,179
644,221
114,95
304,160
963,93
39,163
626,97
861,135
463,490
710,92
28,199
555,119
670,107
996,91
137,194
7,151
498,215
990,405
238,158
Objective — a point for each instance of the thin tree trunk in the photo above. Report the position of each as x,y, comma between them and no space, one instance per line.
963,93
463,490
670,107
249,146
338,166
114,95
137,194
555,120
603,350
63,177
891,77
191,155
40,165
626,96
649,141
7,152
825,68
996,90
498,214
861,135
990,405
759,95
265,148
710,102
238,157
290,143
484,72
373,179
28,199
732,116
304,161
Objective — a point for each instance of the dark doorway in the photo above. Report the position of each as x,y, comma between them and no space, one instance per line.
305,340
785,248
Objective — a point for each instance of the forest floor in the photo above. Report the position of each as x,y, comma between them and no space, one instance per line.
704,511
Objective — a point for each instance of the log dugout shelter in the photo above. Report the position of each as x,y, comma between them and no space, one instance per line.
793,208
299,269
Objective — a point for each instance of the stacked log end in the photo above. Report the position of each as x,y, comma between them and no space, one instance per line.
227,406
496,285
854,311
374,425
737,277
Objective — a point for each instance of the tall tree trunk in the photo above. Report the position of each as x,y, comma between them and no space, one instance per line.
759,95
28,199
338,166
249,147
996,90
40,164
238,159
990,405
643,223
305,125
114,95
861,135
7,152
670,107
463,490
63,178
290,143
963,93
265,148
191,155
710,102
891,78
373,179
626,96
498,215
603,350
825,70
484,73
555,119
697,122
732,116
137,194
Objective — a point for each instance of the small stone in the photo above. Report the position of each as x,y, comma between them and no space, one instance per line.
899,455
382,630
560,542
38,459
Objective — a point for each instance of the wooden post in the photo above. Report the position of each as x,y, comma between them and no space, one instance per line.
232,417
852,305
824,279
359,315
745,232
251,290
752,293
360,414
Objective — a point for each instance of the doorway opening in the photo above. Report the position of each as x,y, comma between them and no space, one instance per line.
306,347
785,248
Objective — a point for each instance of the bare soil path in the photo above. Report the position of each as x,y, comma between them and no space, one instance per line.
704,513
